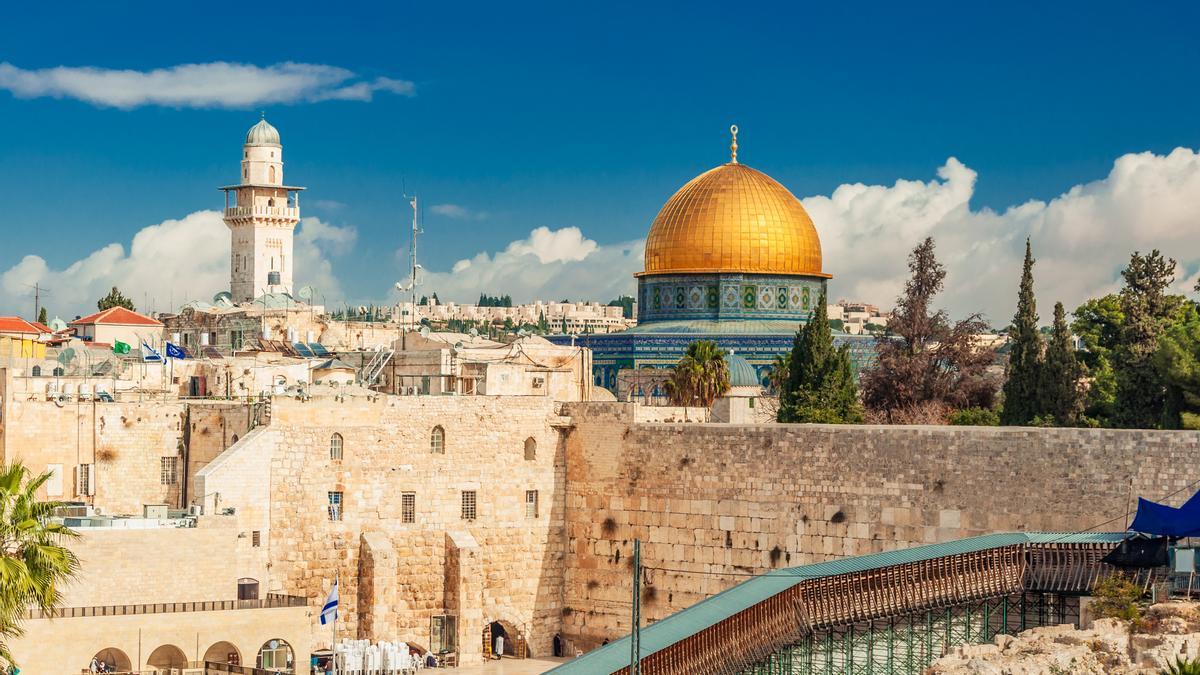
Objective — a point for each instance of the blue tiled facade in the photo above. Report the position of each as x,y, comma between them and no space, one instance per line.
755,316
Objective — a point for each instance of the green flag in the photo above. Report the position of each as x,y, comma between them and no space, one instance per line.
120,347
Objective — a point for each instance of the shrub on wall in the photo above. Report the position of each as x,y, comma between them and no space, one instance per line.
975,417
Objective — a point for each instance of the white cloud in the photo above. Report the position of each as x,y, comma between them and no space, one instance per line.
457,212
174,260
1081,239
198,85
549,264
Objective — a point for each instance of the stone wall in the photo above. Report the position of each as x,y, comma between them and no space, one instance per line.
120,566
713,502
386,452
123,442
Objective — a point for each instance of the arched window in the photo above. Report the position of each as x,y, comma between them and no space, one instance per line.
437,441
530,448
335,447
37,371
58,372
271,174
271,202
247,589
276,655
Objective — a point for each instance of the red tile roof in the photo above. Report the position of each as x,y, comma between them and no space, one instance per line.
118,316
43,327
15,324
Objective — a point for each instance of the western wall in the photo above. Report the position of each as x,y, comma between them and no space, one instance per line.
728,501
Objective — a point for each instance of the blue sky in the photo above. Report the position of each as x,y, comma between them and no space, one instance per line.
573,116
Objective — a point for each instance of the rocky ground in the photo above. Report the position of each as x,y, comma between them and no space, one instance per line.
1169,631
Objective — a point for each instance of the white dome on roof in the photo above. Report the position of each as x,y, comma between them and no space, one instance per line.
262,134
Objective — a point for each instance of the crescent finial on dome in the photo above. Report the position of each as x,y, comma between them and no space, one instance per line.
733,146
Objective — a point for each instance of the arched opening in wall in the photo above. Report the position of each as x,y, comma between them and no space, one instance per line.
271,174
276,655
271,201
113,660
502,639
437,441
223,652
167,657
247,589
530,449
37,371
335,447
235,439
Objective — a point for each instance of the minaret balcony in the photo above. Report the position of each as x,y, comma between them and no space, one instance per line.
289,212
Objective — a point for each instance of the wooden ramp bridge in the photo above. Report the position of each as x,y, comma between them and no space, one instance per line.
892,612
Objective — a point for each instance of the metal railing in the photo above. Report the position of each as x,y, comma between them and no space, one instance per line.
272,601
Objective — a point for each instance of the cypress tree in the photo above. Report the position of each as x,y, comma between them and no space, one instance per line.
1060,374
1147,309
1021,391
820,383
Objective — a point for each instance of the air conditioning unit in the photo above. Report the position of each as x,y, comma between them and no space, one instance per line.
154,511
195,510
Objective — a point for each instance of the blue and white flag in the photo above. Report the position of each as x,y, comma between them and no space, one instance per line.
329,612
175,351
150,354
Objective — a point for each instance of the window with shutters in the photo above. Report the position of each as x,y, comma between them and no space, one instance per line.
256,538
85,482
408,507
168,470
335,506
468,505
531,503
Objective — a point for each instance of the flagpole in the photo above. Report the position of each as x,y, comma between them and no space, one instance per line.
333,624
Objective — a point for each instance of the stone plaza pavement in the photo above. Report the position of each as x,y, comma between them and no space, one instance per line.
507,667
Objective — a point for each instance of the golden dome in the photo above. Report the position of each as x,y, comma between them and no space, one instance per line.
733,219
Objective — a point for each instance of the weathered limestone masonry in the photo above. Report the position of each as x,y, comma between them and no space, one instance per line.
733,500
123,443
504,565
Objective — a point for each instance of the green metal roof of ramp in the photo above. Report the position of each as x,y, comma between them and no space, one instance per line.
710,611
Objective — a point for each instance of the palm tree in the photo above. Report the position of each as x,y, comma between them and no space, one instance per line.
700,376
33,562
778,374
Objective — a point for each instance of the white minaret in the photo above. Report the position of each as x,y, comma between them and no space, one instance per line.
261,218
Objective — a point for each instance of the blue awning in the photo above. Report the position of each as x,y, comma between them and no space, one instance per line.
1168,521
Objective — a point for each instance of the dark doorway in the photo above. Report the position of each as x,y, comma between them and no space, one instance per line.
502,644
558,649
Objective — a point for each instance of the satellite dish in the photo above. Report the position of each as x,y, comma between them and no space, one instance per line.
424,331
306,292
223,299
66,356
458,346
474,332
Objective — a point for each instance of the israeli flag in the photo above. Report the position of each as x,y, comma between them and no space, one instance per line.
329,612
150,354
175,352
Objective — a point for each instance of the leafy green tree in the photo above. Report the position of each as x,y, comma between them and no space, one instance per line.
564,324
625,302
1098,325
820,385
43,316
1147,310
1022,401
36,564
508,324
1178,363
1060,399
115,299
543,326
926,366
700,377
424,300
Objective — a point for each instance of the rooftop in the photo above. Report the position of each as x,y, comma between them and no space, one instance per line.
118,316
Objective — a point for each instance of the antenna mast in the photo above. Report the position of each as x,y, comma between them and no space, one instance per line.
415,266
38,291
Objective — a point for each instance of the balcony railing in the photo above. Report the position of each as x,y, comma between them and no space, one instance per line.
248,211
272,601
